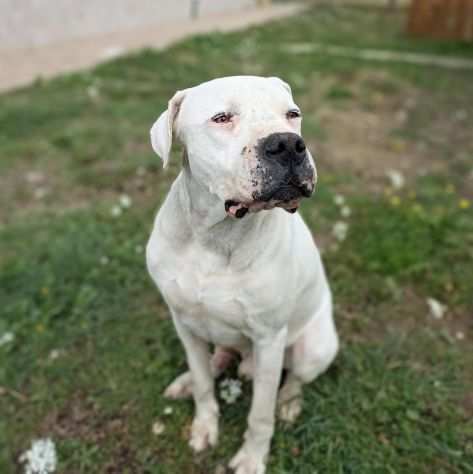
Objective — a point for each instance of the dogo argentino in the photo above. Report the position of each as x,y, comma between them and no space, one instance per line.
234,261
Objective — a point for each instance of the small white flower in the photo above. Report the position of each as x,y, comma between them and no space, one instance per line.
104,260
345,211
35,177
461,115
460,335
125,201
220,469
402,116
396,178
112,52
157,428
230,390
410,103
40,458
168,411
340,230
339,200
437,309
6,338
55,354
140,171
116,211
40,193
93,92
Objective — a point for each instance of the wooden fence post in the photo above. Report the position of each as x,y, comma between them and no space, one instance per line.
444,19
194,11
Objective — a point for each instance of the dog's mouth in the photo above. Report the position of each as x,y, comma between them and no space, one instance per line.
240,209
286,197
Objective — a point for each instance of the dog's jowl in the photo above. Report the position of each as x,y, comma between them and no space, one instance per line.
234,261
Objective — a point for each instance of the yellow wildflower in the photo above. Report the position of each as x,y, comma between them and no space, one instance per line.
395,201
398,145
464,203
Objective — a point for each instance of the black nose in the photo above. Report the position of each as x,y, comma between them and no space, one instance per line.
286,148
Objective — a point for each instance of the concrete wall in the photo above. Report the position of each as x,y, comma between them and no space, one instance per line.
25,23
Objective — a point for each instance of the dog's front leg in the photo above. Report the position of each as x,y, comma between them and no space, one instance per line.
205,425
268,361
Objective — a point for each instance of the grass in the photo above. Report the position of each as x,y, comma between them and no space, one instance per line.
94,348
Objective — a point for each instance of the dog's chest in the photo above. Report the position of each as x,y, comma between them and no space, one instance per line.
222,303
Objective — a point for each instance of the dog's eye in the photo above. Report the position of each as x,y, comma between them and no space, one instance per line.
222,117
294,113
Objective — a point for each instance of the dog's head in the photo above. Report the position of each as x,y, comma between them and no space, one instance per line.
243,141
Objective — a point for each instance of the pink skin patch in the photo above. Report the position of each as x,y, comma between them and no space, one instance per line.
232,210
222,357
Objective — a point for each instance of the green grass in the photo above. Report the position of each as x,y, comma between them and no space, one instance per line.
94,348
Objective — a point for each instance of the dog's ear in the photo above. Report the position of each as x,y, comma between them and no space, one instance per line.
280,82
162,130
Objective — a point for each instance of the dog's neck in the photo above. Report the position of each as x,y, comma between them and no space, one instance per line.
205,214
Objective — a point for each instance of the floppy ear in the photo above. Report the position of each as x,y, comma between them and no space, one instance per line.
283,84
162,129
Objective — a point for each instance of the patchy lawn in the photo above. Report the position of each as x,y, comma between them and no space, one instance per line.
92,346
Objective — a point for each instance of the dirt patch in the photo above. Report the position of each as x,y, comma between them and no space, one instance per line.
47,189
360,142
37,189
404,316
401,317
82,419
467,405
369,123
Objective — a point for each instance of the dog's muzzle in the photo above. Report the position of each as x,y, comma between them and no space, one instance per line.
284,173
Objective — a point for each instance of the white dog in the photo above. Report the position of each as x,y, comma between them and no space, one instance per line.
243,280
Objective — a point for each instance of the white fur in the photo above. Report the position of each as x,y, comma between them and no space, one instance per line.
257,284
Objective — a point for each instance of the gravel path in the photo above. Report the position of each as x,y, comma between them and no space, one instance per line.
21,66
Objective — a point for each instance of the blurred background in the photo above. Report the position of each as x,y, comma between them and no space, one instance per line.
86,344
41,39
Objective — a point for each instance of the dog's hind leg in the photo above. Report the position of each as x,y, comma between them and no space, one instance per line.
309,356
245,368
181,387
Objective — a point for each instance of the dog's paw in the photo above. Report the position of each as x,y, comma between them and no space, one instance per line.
245,462
180,388
289,402
290,410
204,433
